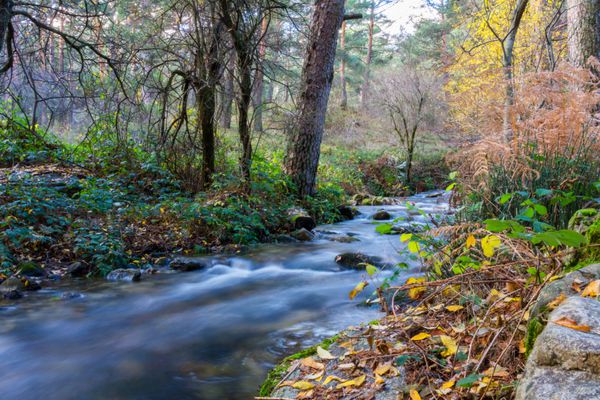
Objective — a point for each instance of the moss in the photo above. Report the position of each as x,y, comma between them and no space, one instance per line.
586,222
534,328
277,373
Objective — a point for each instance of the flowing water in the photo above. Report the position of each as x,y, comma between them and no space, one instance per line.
211,334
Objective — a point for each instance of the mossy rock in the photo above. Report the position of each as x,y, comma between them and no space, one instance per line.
276,374
587,223
31,269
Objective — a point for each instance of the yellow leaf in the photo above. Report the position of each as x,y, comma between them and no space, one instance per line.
324,354
471,241
414,395
489,244
454,308
420,336
415,292
382,369
571,324
445,388
354,382
332,378
496,372
451,346
379,380
592,290
557,301
303,385
311,363
414,247
359,288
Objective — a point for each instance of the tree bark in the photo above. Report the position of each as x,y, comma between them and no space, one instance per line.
5,17
344,99
259,80
317,76
364,93
583,22
507,63
228,93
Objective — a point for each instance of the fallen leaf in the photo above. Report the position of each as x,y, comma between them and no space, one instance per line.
496,372
332,378
315,377
414,395
346,366
592,290
311,363
471,241
324,354
421,336
302,385
354,382
306,395
446,388
379,380
454,308
451,346
357,289
382,369
571,324
557,301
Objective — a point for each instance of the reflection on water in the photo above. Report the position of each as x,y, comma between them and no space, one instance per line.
208,335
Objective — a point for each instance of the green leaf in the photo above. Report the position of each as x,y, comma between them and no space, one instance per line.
543,192
384,229
450,187
540,209
469,380
505,198
452,176
371,269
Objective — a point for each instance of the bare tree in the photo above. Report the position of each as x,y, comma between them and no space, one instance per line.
411,97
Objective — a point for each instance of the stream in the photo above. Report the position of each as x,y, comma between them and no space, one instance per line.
210,334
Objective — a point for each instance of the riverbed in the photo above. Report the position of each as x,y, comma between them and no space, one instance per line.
210,334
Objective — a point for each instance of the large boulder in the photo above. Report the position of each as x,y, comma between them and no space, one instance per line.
565,362
125,275
347,212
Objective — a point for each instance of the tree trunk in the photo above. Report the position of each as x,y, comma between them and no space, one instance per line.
364,93
583,19
245,98
507,63
317,76
344,100
5,16
228,93
259,85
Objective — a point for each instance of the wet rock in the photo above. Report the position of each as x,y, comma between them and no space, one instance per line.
125,275
285,239
347,212
78,269
70,296
356,260
12,295
31,269
299,218
188,264
434,195
12,283
344,239
382,215
565,363
401,229
304,235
